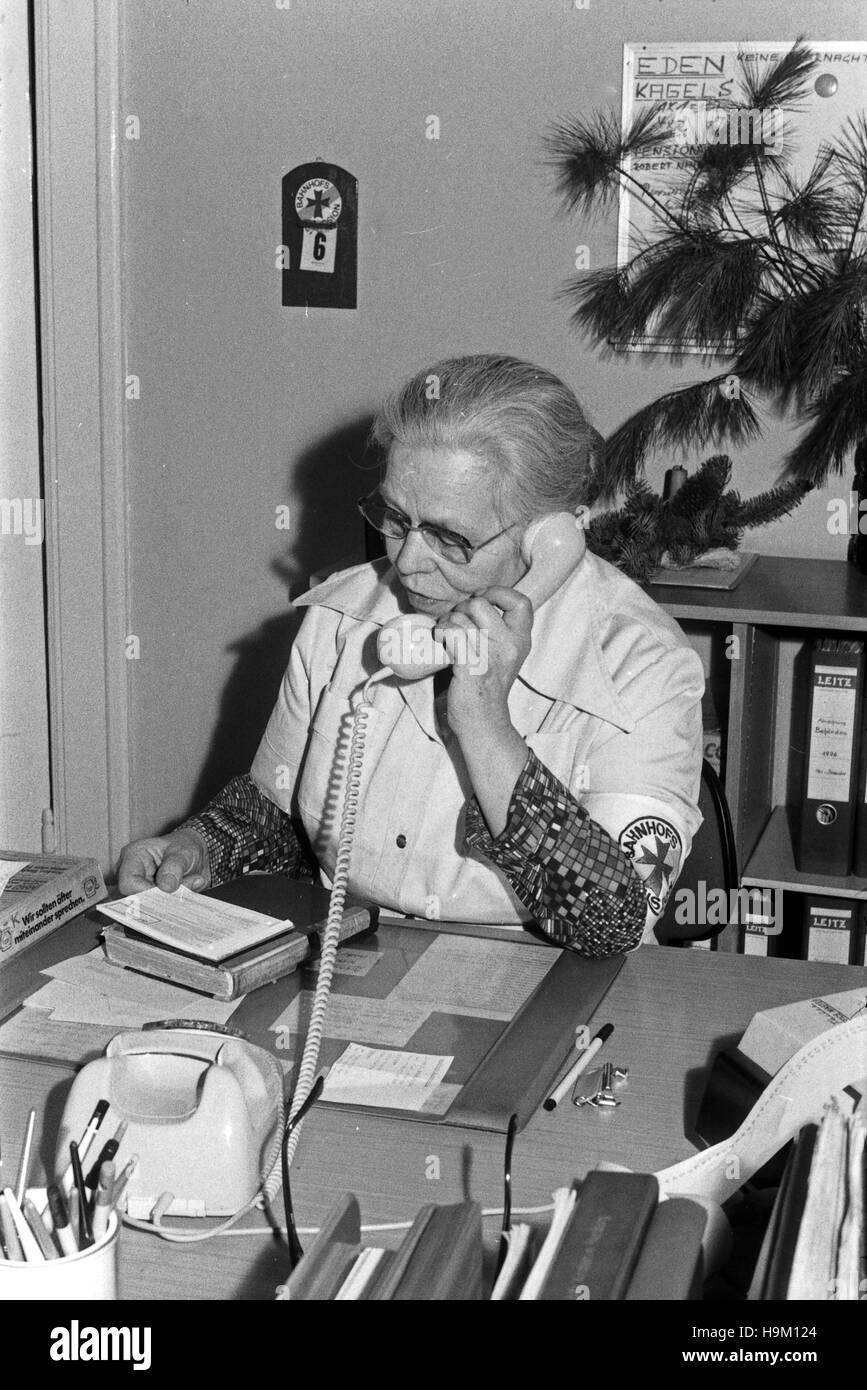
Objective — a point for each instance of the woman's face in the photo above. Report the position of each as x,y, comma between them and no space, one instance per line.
454,491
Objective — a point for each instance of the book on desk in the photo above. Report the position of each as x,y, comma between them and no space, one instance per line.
615,1240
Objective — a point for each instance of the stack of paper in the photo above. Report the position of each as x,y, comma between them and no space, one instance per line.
88,989
813,1245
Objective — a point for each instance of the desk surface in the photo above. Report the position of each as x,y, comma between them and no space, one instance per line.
672,1011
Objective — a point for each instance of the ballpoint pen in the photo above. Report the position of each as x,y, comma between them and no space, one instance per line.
106,1154
62,1227
85,1142
104,1199
85,1232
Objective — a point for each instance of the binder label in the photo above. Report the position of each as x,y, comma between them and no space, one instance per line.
832,734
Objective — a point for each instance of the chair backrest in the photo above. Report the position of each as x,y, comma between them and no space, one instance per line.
712,864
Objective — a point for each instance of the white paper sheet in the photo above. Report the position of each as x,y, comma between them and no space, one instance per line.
377,1021
8,867
393,1080
200,926
468,975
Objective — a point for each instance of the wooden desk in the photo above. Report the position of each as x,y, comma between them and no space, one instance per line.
672,1010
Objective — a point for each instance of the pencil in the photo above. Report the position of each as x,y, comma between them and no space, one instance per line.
10,1235
37,1226
24,1165
27,1239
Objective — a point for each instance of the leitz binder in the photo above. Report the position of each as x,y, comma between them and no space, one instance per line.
830,929
859,856
824,843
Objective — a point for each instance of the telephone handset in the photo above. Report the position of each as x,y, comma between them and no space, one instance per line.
552,546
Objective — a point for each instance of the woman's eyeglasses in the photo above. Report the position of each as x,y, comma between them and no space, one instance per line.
394,524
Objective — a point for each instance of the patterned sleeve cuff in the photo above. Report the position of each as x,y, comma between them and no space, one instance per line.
566,869
243,830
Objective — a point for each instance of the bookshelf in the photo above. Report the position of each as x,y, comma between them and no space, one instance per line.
754,643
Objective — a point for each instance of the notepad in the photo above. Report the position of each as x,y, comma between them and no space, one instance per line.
193,923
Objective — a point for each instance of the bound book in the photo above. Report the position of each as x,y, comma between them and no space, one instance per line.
603,1237
323,1269
825,838
39,892
229,940
439,1259
670,1264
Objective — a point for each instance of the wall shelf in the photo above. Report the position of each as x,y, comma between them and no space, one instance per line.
780,605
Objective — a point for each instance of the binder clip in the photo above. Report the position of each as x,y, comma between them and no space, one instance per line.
597,1087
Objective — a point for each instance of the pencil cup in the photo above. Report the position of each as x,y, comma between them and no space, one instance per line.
91,1274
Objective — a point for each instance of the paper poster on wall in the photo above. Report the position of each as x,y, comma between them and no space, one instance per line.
700,83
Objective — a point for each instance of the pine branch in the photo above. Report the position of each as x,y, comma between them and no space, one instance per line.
697,414
839,424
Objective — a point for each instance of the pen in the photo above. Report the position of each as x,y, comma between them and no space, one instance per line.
26,1238
10,1235
581,1065
85,1233
74,1223
106,1153
24,1165
62,1228
104,1200
37,1226
86,1140
124,1179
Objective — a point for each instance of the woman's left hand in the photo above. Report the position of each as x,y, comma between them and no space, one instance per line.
488,637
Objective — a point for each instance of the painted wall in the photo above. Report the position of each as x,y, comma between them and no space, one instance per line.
246,406
24,783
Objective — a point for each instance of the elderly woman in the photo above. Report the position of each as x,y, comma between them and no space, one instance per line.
551,774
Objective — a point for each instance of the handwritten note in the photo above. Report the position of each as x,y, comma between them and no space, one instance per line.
379,1021
467,975
392,1080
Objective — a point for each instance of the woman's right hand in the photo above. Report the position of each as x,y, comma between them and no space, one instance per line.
166,861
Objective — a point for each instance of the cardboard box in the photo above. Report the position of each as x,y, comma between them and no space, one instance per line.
38,893
775,1035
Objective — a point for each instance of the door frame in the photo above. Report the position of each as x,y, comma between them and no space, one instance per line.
80,222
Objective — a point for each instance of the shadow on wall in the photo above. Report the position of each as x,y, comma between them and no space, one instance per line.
327,529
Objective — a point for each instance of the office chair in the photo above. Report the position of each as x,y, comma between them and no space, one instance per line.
712,861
